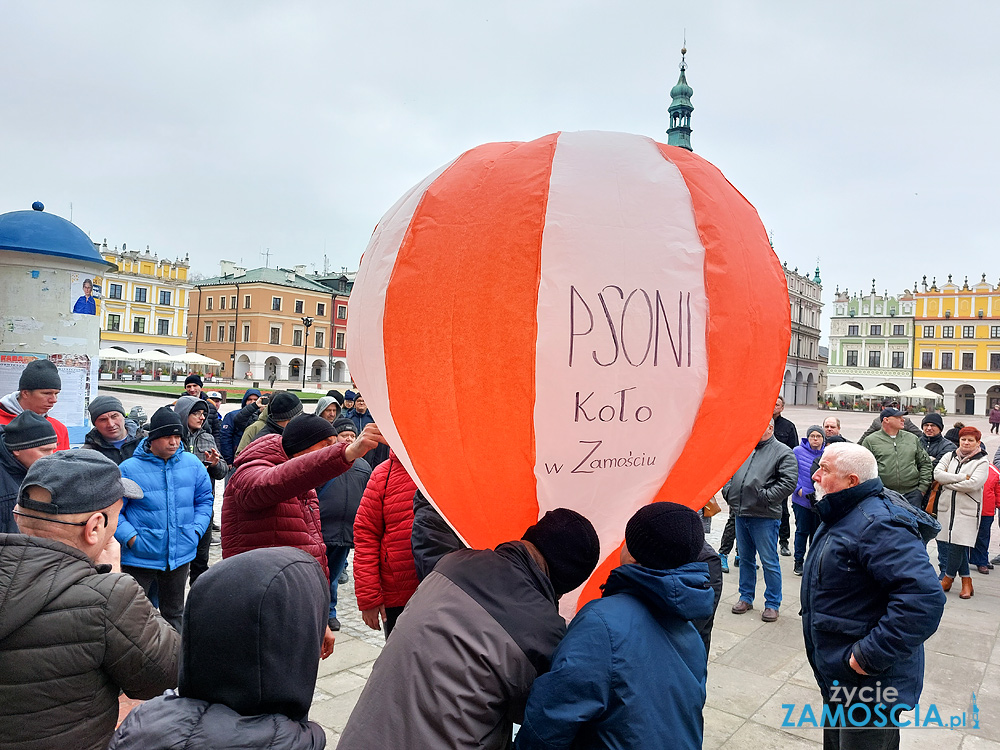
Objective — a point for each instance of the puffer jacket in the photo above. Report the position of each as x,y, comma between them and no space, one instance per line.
338,503
759,487
960,503
95,440
71,637
936,446
384,571
903,465
271,603
271,501
173,513
10,407
603,690
806,457
230,433
198,442
991,492
11,475
869,589
461,660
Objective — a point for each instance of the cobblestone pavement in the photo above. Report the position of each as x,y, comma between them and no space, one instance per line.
756,668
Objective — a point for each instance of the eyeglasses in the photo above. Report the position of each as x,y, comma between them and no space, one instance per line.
54,520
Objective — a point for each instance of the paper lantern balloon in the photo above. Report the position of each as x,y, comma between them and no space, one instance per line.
588,320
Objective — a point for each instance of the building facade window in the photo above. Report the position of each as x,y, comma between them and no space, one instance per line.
232,333
341,312
875,330
246,332
208,332
140,294
852,357
968,332
163,327
968,361
946,360
115,291
275,335
927,360
222,303
898,360
299,306
232,302
297,337
276,303
947,332
995,332
164,297
208,304
222,332
340,339
899,330
114,322
320,309
929,332
994,361
875,358
246,301
852,330
138,325
320,339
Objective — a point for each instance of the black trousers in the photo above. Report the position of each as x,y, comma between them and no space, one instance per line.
840,738
728,536
784,529
200,563
169,587
391,615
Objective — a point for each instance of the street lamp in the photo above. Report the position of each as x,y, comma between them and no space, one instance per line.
307,322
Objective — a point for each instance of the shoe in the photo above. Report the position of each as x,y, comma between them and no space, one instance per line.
946,583
343,578
797,570
215,527
736,561
996,560
984,569
769,615
215,542
785,552
725,562
334,624
989,565
742,607
966,588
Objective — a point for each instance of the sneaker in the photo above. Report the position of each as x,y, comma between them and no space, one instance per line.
343,578
742,607
215,527
797,570
996,560
725,562
334,624
785,552
769,615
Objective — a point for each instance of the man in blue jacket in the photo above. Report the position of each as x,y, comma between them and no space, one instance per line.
632,669
159,533
866,618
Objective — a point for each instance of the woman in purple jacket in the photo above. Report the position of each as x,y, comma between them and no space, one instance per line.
806,520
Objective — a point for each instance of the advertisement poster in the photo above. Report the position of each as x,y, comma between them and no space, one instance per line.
84,293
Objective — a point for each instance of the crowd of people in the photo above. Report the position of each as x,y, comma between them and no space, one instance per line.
105,585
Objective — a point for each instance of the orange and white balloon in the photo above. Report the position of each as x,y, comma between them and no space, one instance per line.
588,320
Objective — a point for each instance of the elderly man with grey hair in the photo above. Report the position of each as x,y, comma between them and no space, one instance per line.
866,618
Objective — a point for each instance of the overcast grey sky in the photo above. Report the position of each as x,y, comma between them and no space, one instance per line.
865,133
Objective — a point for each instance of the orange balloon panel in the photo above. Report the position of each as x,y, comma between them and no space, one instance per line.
568,323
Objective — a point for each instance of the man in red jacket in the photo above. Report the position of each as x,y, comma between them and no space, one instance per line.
271,500
37,391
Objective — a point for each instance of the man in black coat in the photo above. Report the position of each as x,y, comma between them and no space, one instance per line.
27,438
112,435
784,432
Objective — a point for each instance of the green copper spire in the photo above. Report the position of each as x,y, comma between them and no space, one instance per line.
816,278
679,132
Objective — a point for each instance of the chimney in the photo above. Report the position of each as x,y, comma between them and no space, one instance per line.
227,267
301,269
239,271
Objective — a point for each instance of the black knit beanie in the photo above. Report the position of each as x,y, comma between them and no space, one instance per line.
38,375
28,430
933,418
284,405
570,546
664,536
164,423
337,395
304,431
196,379
104,404
343,424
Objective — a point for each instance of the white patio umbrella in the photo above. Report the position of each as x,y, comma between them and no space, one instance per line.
111,354
882,390
844,389
194,358
920,392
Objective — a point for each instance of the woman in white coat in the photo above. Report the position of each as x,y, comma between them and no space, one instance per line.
962,474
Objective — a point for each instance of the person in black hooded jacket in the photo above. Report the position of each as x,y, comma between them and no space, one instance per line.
250,648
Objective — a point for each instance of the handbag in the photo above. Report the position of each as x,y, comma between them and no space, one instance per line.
933,494
711,508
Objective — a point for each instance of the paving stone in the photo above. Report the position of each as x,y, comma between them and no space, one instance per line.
754,736
773,713
753,656
737,691
719,727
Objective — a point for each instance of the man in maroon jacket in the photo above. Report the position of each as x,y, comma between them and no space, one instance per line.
271,501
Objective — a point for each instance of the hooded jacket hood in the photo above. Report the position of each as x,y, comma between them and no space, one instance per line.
10,404
323,403
252,631
199,440
682,592
249,392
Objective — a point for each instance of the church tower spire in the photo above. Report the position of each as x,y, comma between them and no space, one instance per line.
679,132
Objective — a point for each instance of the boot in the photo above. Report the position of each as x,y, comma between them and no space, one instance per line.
966,588
946,583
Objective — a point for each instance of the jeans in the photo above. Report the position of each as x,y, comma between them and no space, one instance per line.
336,559
169,586
958,560
758,537
980,554
841,738
806,523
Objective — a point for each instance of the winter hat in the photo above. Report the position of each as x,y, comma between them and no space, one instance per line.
815,428
663,536
933,418
970,430
304,432
337,395
164,423
196,379
28,430
323,403
64,473
570,546
350,396
104,404
283,405
344,424
39,374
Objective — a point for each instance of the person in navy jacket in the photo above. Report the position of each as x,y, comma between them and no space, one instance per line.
631,671
159,533
870,598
